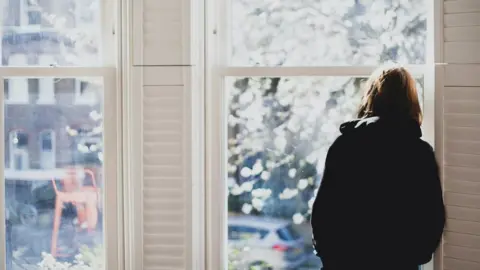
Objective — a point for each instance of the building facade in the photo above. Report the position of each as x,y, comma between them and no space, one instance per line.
49,121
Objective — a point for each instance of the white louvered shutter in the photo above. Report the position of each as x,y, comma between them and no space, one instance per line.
461,133
163,212
165,178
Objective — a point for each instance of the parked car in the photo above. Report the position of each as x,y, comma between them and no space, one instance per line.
264,244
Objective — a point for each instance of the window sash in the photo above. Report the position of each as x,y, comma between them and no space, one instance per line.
112,159
218,67
216,141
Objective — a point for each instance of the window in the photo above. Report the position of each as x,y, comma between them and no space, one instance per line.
30,13
85,92
282,77
6,91
33,89
55,206
18,147
47,149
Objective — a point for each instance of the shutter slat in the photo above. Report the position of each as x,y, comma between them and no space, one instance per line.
457,120
461,6
462,160
464,174
471,33
161,147
462,52
462,213
463,19
462,134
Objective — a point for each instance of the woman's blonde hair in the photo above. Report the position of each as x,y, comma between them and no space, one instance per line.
391,93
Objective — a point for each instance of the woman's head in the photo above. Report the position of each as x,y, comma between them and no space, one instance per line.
391,93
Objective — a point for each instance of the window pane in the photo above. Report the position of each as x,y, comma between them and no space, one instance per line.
327,32
68,31
54,152
279,131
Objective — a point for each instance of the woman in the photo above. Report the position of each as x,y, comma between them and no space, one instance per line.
380,203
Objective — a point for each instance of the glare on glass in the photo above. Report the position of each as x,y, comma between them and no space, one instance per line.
279,131
53,172
50,32
327,32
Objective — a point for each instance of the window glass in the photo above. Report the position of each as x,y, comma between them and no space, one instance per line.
70,31
327,32
279,131
41,231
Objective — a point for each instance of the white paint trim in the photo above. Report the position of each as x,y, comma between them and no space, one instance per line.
348,71
108,51
216,56
190,24
136,30
57,72
132,129
134,179
436,82
2,181
121,60
111,180
216,213
196,87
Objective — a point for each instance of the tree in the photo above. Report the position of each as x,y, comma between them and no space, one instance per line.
79,45
280,128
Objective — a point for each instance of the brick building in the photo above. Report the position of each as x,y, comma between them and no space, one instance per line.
42,115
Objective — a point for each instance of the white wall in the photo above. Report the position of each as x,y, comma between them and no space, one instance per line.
461,134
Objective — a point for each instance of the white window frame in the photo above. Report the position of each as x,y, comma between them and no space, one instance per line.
111,151
53,151
217,69
112,166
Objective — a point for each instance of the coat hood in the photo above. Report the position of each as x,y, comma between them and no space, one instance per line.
376,124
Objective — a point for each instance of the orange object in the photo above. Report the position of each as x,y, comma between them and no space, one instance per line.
84,198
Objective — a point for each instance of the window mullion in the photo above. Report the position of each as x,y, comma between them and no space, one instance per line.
58,72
